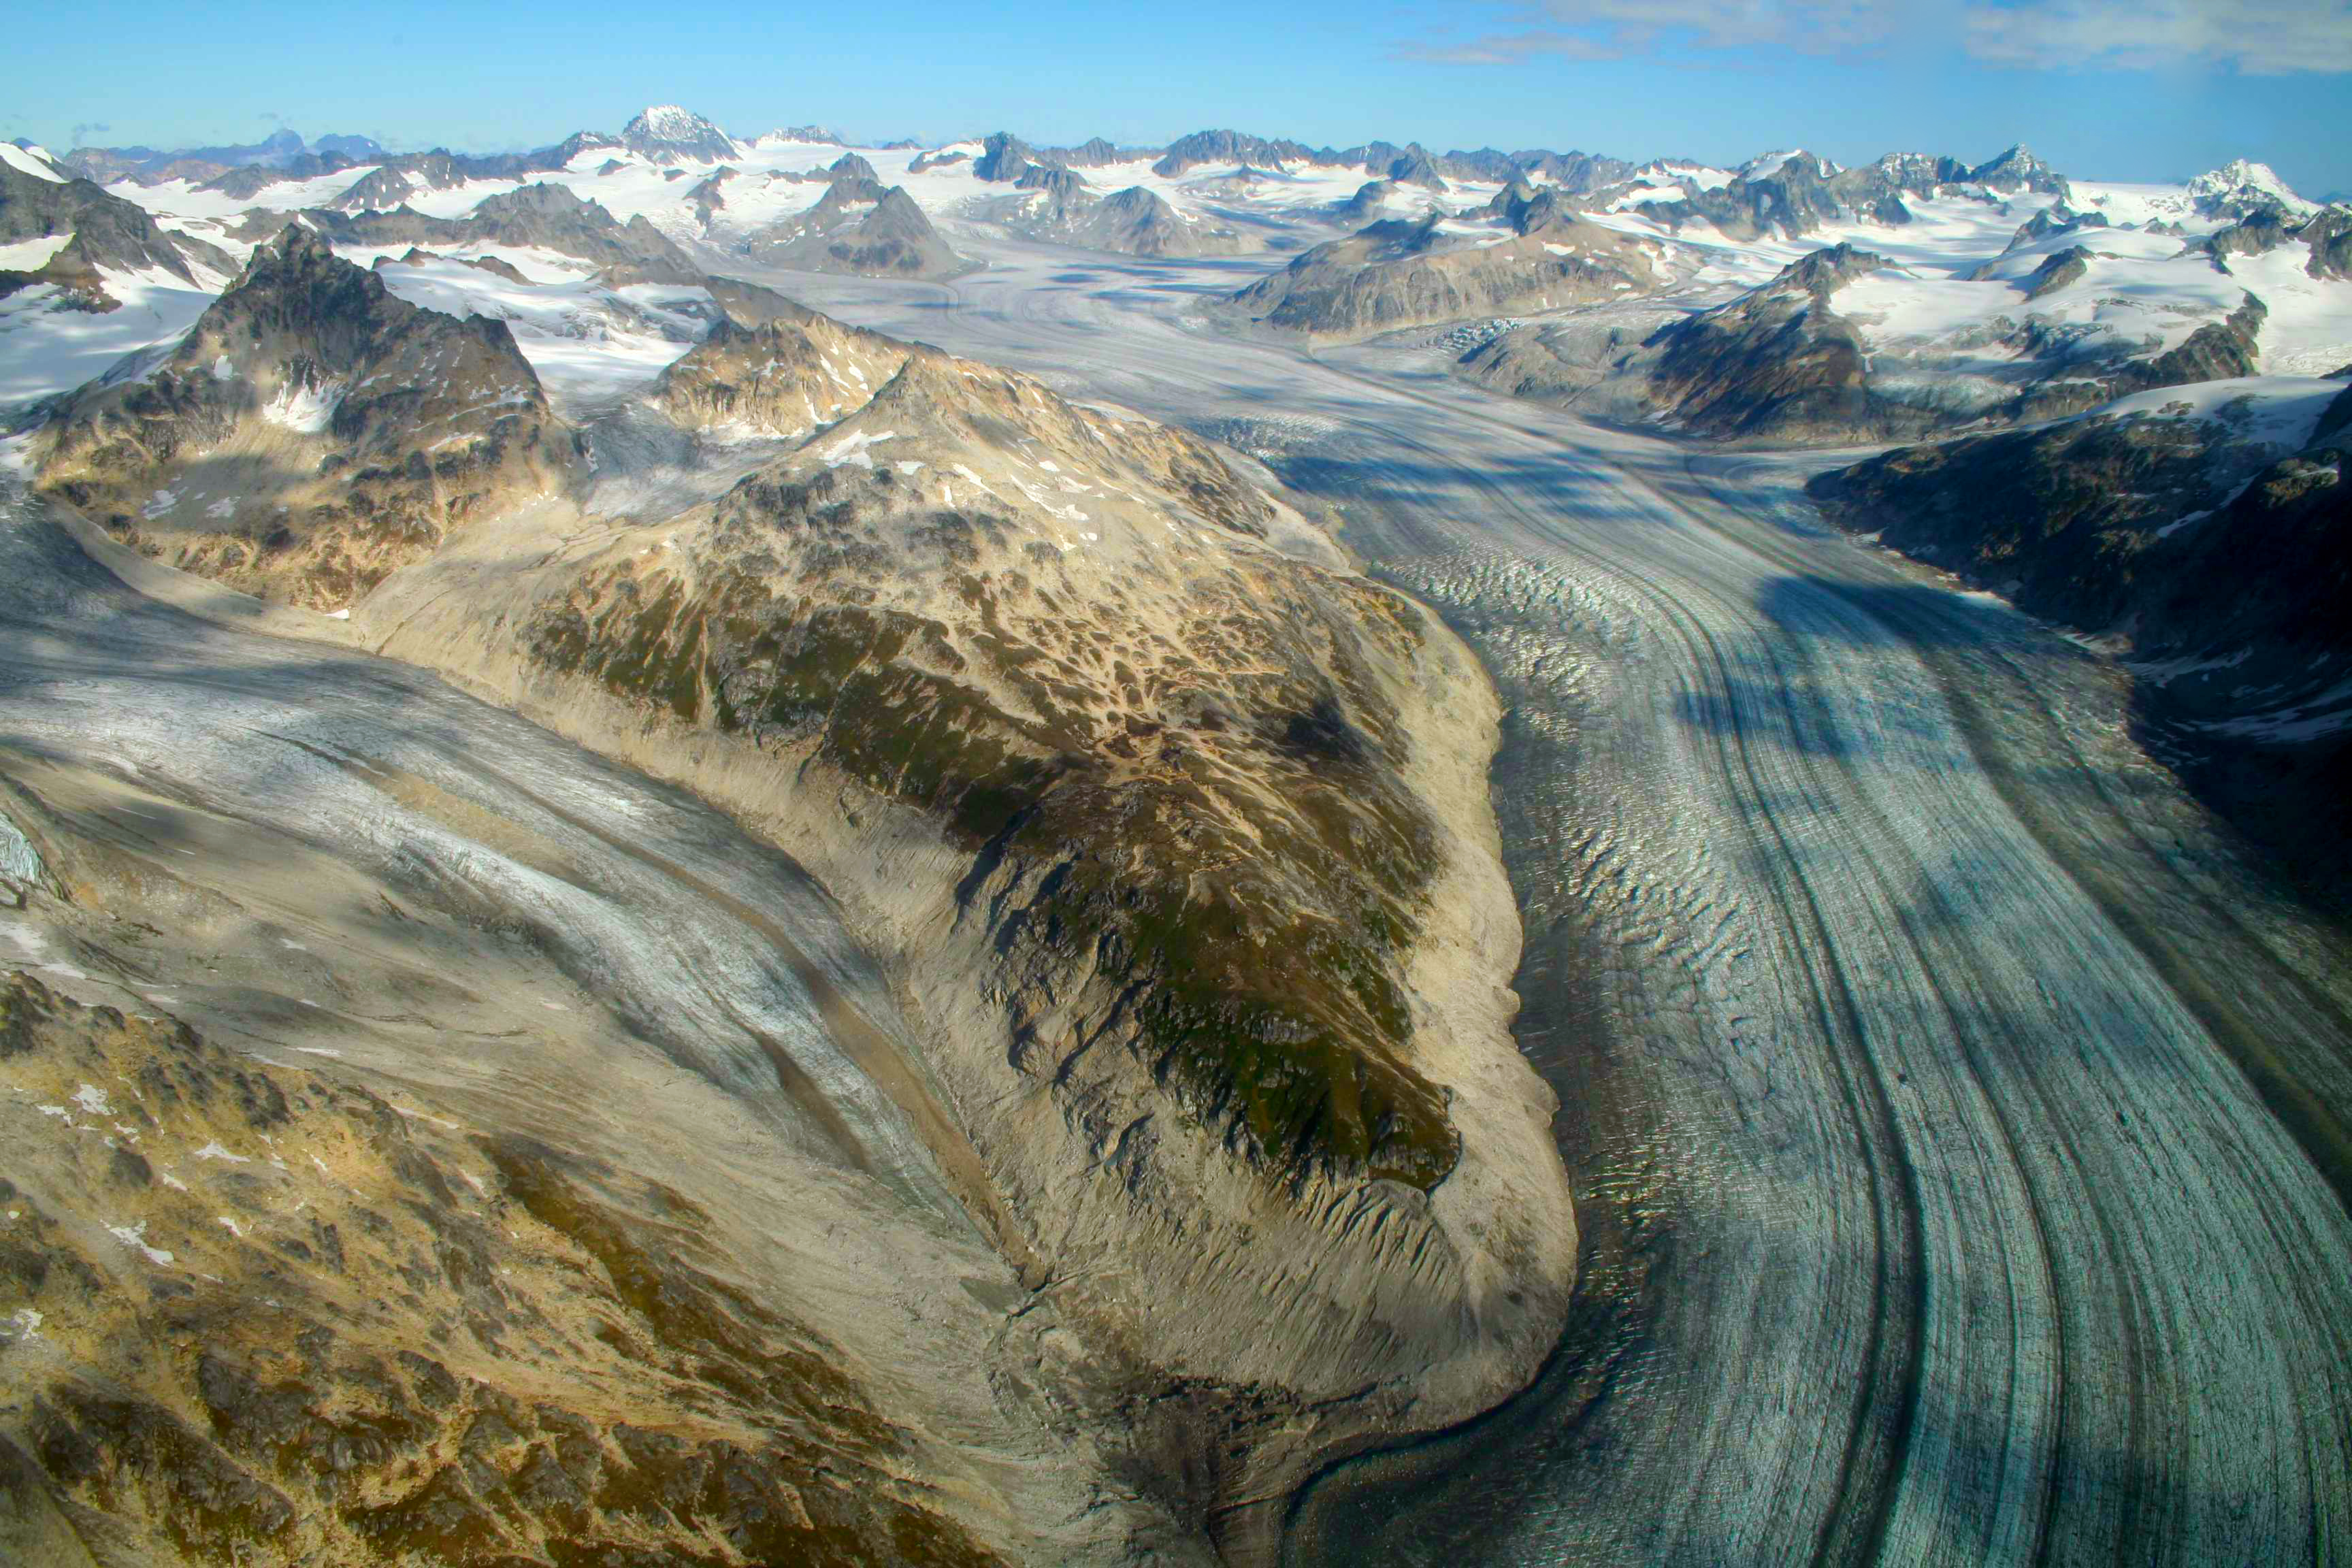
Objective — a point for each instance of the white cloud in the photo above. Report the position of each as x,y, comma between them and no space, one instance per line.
2262,38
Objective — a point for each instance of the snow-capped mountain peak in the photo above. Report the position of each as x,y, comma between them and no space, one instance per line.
2019,170
801,135
665,133
668,122
1776,162
2244,184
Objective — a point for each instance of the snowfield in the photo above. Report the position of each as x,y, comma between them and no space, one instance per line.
48,346
588,343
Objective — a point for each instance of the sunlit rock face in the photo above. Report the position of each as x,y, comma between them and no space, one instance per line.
257,1313
311,435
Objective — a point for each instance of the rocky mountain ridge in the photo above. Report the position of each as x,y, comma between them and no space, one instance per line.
311,435
1172,828
1781,365
1405,272
543,216
97,233
1792,195
857,226
279,149
1056,203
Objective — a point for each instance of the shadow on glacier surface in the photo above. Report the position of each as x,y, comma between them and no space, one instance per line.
1885,614
2284,802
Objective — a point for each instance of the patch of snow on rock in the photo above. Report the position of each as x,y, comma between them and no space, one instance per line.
32,255
135,1237
304,409
852,449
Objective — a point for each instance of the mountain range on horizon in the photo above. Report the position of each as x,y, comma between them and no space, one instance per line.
679,132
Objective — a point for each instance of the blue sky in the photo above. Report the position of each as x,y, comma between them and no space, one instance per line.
2112,88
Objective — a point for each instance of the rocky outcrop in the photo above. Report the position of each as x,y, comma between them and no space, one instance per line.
251,179
1791,200
1573,363
390,185
2218,350
1216,148
2056,218
1876,190
101,234
709,195
1065,190
1133,222
1004,158
1490,165
1790,195
1136,222
823,136
552,217
312,434
1780,364
542,216
416,255
2254,235
1573,173
858,225
1776,365
2075,522
1414,166
850,167
281,150
2241,189
1157,818
1069,776
2019,170
2329,235
1095,153
1365,205
2059,519
2059,269
1777,361
259,1313
546,159
1404,273
1523,207
774,367
2327,232
1577,173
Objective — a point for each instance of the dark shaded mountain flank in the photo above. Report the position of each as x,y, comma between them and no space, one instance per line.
2227,570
